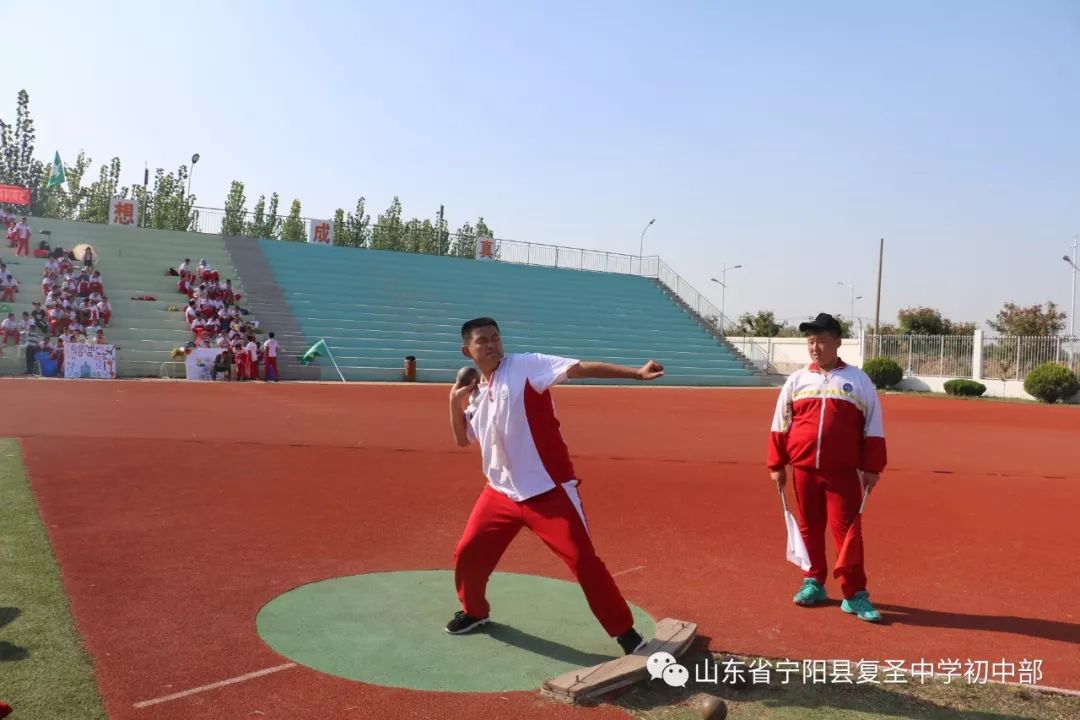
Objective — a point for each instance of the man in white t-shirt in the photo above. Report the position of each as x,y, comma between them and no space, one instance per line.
531,479
9,330
8,287
252,350
270,348
22,235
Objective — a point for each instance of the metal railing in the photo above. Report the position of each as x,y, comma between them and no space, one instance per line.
954,356
927,355
756,353
1012,358
212,221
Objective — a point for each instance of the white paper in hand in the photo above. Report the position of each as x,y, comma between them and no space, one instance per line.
796,548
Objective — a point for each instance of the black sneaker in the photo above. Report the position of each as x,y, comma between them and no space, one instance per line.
631,641
463,623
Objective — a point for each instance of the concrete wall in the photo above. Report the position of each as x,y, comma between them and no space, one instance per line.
789,354
994,388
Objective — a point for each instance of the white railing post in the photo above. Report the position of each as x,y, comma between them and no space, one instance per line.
977,355
1016,372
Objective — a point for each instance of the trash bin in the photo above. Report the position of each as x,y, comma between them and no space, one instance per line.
410,368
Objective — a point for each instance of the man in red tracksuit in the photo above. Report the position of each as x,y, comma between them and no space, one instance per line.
828,427
531,480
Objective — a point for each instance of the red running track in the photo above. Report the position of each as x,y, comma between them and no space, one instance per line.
178,510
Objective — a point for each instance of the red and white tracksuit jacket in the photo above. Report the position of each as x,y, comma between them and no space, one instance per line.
828,427
828,421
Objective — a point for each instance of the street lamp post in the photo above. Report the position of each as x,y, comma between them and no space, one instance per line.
1072,300
851,317
723,291
183,205
641,247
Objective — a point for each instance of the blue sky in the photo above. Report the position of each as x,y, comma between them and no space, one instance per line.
783,136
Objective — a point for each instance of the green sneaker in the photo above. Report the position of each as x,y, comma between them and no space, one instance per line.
860,607
811,593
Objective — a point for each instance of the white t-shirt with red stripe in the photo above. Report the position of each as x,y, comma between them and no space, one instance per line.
513,419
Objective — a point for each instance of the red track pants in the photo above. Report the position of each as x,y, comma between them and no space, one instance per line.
558,519
833,498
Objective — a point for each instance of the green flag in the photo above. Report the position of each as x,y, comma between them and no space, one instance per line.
56,175
313,352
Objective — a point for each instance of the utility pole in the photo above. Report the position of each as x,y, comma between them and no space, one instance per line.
438,230
877,312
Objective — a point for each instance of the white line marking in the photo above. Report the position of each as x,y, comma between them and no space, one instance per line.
630,570
214,686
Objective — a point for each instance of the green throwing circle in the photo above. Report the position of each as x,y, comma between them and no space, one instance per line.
387,628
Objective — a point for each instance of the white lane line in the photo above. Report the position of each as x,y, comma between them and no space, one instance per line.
630,570
214,686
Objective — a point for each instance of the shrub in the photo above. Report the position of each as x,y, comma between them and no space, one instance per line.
969,388
885,372
1051,382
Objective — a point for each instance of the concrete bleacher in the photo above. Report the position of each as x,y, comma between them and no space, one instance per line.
133,263
373,308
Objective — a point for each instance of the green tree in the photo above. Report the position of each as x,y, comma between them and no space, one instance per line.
886,329
264,220
465,241
17,163
168,207
1013,319
921,321
272,227
258,219
235,211
388,233
357,227
293,230
760,324
339,226
960,328
98,197
412,237
929,321
429,238
442,238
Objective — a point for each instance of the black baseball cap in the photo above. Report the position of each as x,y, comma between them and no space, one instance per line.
824,322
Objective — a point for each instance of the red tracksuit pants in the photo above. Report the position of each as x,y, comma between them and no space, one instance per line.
829,497
557,518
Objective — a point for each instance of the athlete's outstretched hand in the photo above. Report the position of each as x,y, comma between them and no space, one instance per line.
650,371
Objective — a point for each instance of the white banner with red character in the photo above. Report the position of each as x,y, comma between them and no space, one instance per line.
321,232
124,211
487,248
83,360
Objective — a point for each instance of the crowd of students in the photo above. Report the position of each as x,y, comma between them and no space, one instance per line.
217,321
74,309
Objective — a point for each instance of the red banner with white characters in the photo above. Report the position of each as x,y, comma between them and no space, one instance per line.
14,195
